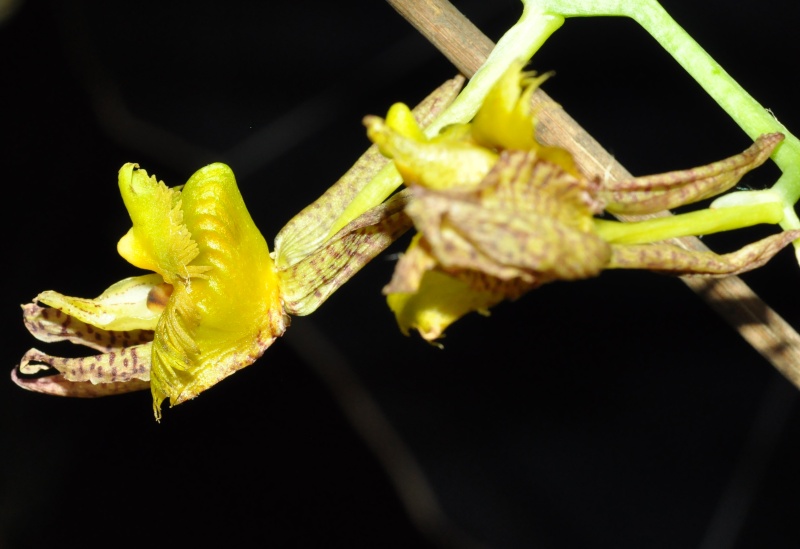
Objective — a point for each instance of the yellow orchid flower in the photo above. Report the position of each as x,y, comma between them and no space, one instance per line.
212,307
216,297
522,215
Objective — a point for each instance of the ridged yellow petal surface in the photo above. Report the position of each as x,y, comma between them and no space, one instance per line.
225,308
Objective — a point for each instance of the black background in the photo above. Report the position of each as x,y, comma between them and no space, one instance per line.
615,412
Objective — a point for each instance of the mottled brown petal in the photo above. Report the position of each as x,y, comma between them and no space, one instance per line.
308,283
57,385
49,325
664,191
672,259
525,182
417,261
305,232
529,221
497,242
114,367
507,289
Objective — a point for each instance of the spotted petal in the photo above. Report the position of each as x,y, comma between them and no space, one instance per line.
505,119
668,258
51,324
306,232
120,366
118,323
308,283
58,385
665,191
530,220
134,303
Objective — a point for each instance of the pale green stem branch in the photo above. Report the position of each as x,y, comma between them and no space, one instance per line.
748,113
520,42
697,223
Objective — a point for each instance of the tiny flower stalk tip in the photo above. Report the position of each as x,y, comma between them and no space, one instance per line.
521,215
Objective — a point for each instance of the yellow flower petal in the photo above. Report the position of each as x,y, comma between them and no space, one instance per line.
158,241
435,164
126,305
401,120
223,317
504,120
439,301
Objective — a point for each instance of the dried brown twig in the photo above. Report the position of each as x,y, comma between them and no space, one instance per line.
467,48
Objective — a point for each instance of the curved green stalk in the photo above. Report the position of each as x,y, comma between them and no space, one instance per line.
748,113
697,223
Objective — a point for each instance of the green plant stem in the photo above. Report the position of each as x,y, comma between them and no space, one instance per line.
697,223
740,105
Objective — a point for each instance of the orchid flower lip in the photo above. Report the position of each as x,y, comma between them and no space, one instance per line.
210,306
